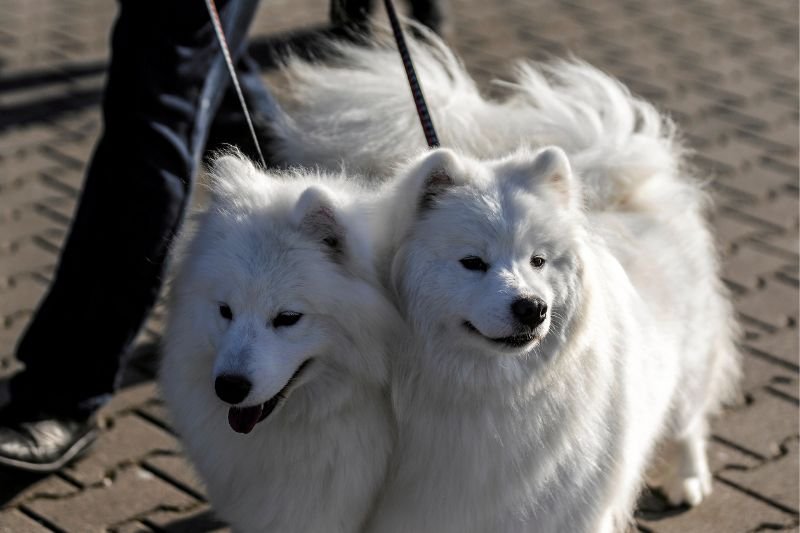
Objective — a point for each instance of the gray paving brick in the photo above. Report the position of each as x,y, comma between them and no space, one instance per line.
723,457
130,398
133,492
24,137
776,304
20,224
24,190
769,480
22,297
132,527
178,470
759,427
749,267
13,521
780,243
200,518
727,510
729,229
781,211
23,489
129,440
25,256
762,371
157,413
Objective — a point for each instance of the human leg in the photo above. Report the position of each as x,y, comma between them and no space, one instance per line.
165,81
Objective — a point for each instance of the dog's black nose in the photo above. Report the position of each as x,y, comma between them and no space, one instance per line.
232,388
529,311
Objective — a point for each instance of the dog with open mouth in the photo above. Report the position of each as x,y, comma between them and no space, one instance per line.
276,349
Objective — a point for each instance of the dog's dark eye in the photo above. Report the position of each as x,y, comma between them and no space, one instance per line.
225,312
474,263
537,261
287,318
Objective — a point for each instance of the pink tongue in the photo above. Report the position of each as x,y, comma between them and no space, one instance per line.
244,419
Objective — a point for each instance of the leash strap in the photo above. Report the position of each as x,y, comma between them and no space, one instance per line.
223,43
416,91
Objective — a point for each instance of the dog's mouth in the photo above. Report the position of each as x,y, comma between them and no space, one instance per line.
244,419
513,341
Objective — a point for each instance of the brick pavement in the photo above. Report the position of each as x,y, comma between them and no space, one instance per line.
727,70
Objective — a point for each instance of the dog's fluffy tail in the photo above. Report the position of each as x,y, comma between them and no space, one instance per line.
358,109
625,151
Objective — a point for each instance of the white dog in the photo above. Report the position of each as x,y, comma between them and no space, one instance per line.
567,317
274,369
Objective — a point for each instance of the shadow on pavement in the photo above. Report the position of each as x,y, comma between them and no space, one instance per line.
201,523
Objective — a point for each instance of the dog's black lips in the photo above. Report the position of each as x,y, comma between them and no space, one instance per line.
244,419
513,341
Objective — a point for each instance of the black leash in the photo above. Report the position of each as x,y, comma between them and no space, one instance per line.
416,91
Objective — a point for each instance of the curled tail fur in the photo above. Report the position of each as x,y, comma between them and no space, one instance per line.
357,110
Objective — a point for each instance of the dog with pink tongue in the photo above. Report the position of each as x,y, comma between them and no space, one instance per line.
275,352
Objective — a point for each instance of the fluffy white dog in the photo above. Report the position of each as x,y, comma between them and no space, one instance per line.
567,317
275,353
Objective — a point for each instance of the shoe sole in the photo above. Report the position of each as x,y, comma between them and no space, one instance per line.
78,447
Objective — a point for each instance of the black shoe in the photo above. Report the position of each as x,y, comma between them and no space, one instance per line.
40,442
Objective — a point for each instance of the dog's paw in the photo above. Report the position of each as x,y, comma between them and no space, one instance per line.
689,490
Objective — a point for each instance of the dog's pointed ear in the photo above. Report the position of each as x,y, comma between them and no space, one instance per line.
436,172
315,214
550,168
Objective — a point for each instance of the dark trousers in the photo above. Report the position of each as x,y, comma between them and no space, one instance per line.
165,85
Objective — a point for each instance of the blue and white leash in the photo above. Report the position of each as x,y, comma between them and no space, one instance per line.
223,43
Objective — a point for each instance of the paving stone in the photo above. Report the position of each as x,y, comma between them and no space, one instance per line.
769,480
779,243
58,209
64,178
200,518
763,371
11,329
127,441
178,470
723,457
132,527
74,154
23,191
22,297
749,267
157,413
25,256
730,230
21,224
757,182
129,398
760,427
780,211
776,304
132,493
26,137
16,488
727,510
13,521
787,387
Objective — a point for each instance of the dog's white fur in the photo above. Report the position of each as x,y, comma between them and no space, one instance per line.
637,347
263,247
